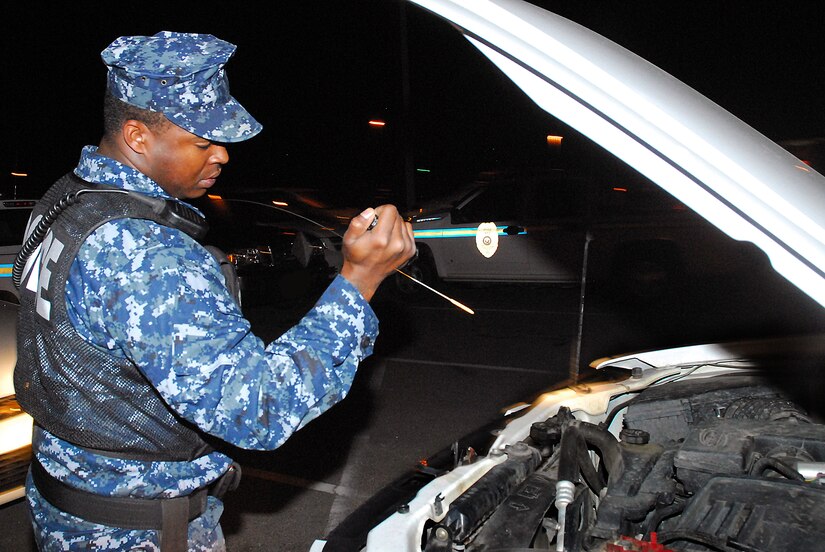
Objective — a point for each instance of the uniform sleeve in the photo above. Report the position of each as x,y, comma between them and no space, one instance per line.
153,295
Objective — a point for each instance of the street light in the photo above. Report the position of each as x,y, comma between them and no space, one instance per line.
553,140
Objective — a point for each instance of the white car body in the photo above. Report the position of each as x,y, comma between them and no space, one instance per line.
740,181
15,425
14,214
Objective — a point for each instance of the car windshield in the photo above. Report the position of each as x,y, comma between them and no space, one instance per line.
14,216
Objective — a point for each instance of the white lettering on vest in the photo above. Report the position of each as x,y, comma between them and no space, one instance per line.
51,249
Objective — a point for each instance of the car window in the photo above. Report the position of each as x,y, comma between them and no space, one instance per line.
244,223
14,216
493,203
556,198
528,197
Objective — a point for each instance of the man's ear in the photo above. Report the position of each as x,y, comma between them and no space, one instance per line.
135,134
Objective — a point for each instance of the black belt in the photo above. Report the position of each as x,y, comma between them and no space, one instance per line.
171,516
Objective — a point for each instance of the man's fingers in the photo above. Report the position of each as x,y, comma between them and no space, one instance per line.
371,253
381,229
364,219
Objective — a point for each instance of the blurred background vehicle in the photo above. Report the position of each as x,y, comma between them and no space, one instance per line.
285,249
14,215
537,226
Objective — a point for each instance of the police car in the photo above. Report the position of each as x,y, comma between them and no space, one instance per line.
541,226
705,447
14,215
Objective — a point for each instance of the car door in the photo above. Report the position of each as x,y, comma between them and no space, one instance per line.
486,240
525,227
555,224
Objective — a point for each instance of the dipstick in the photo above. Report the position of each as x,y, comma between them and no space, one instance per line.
450,299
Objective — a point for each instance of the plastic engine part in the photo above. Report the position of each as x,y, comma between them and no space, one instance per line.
753,514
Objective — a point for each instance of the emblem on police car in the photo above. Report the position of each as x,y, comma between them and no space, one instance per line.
487,238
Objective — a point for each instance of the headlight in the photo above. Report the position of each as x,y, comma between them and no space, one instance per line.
15,425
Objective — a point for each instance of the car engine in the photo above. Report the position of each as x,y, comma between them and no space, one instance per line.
715,464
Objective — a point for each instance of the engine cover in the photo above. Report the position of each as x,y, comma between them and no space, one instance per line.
742,513
731,447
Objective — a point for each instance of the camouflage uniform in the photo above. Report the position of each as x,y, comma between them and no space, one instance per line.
125,295
222,377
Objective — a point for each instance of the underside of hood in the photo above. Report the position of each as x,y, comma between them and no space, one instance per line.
746,185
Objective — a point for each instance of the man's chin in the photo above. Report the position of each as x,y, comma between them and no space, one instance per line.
194,194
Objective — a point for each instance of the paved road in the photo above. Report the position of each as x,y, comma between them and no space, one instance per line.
439,373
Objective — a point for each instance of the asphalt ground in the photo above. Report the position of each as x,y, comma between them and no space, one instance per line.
439,373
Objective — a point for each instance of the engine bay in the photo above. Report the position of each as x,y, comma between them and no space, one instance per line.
714,464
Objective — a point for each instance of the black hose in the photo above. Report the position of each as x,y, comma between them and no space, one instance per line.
710,541
777,465
607,445
593,479
574,458
569,454
604,424
660,514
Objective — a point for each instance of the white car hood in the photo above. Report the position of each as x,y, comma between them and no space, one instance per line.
738,354
736,178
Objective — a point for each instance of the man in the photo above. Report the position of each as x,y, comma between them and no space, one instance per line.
133,356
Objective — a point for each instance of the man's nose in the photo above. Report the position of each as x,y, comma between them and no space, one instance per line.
219,154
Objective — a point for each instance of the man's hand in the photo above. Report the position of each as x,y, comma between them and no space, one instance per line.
370,255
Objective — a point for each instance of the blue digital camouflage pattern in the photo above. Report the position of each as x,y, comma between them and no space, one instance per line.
55,530
181,75
152,294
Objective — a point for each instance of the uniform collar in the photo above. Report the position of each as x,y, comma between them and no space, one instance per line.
95,167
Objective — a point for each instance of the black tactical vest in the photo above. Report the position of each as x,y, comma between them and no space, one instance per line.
75,391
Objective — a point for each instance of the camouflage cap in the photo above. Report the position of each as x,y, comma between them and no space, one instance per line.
181,75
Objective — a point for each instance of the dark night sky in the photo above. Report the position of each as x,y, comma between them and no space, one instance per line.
314,71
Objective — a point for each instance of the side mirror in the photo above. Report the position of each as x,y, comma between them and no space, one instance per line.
302,249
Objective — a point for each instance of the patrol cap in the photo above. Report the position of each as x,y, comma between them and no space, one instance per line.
181,75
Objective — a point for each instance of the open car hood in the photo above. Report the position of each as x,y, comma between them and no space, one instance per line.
692,445
733,176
